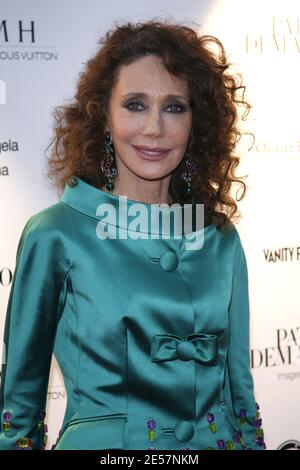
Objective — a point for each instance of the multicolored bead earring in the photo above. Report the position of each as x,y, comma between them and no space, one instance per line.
106,164
191,170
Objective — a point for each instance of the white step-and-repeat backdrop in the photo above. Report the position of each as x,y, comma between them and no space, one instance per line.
43,47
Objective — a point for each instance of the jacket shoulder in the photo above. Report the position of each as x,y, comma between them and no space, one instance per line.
50,220
45,232
230,232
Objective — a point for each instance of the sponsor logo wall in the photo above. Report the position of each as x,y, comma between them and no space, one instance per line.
42,50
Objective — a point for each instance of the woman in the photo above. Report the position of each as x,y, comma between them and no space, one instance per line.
151,336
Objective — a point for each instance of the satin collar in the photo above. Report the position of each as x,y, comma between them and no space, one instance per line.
127,213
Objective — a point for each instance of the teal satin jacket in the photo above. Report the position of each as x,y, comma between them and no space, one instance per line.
152,339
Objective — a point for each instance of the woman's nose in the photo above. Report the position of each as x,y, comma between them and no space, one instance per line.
153,124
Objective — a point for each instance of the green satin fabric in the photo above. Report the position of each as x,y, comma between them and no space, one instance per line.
142,329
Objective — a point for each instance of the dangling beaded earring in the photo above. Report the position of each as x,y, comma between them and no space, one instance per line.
108,171
191,170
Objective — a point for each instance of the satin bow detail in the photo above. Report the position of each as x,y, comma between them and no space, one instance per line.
203,348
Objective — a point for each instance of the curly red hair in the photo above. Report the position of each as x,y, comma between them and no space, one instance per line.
77,145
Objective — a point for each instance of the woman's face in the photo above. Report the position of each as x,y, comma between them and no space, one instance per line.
142,112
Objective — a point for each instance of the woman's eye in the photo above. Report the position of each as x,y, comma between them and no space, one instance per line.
136,106
177,108
133,106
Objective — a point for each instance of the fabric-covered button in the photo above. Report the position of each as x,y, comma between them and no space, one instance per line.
168,261
73,181
186,350
184,431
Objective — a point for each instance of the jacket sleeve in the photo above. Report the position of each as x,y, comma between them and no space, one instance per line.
29,334
238,359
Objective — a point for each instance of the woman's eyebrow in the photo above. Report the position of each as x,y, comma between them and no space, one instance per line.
144,95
